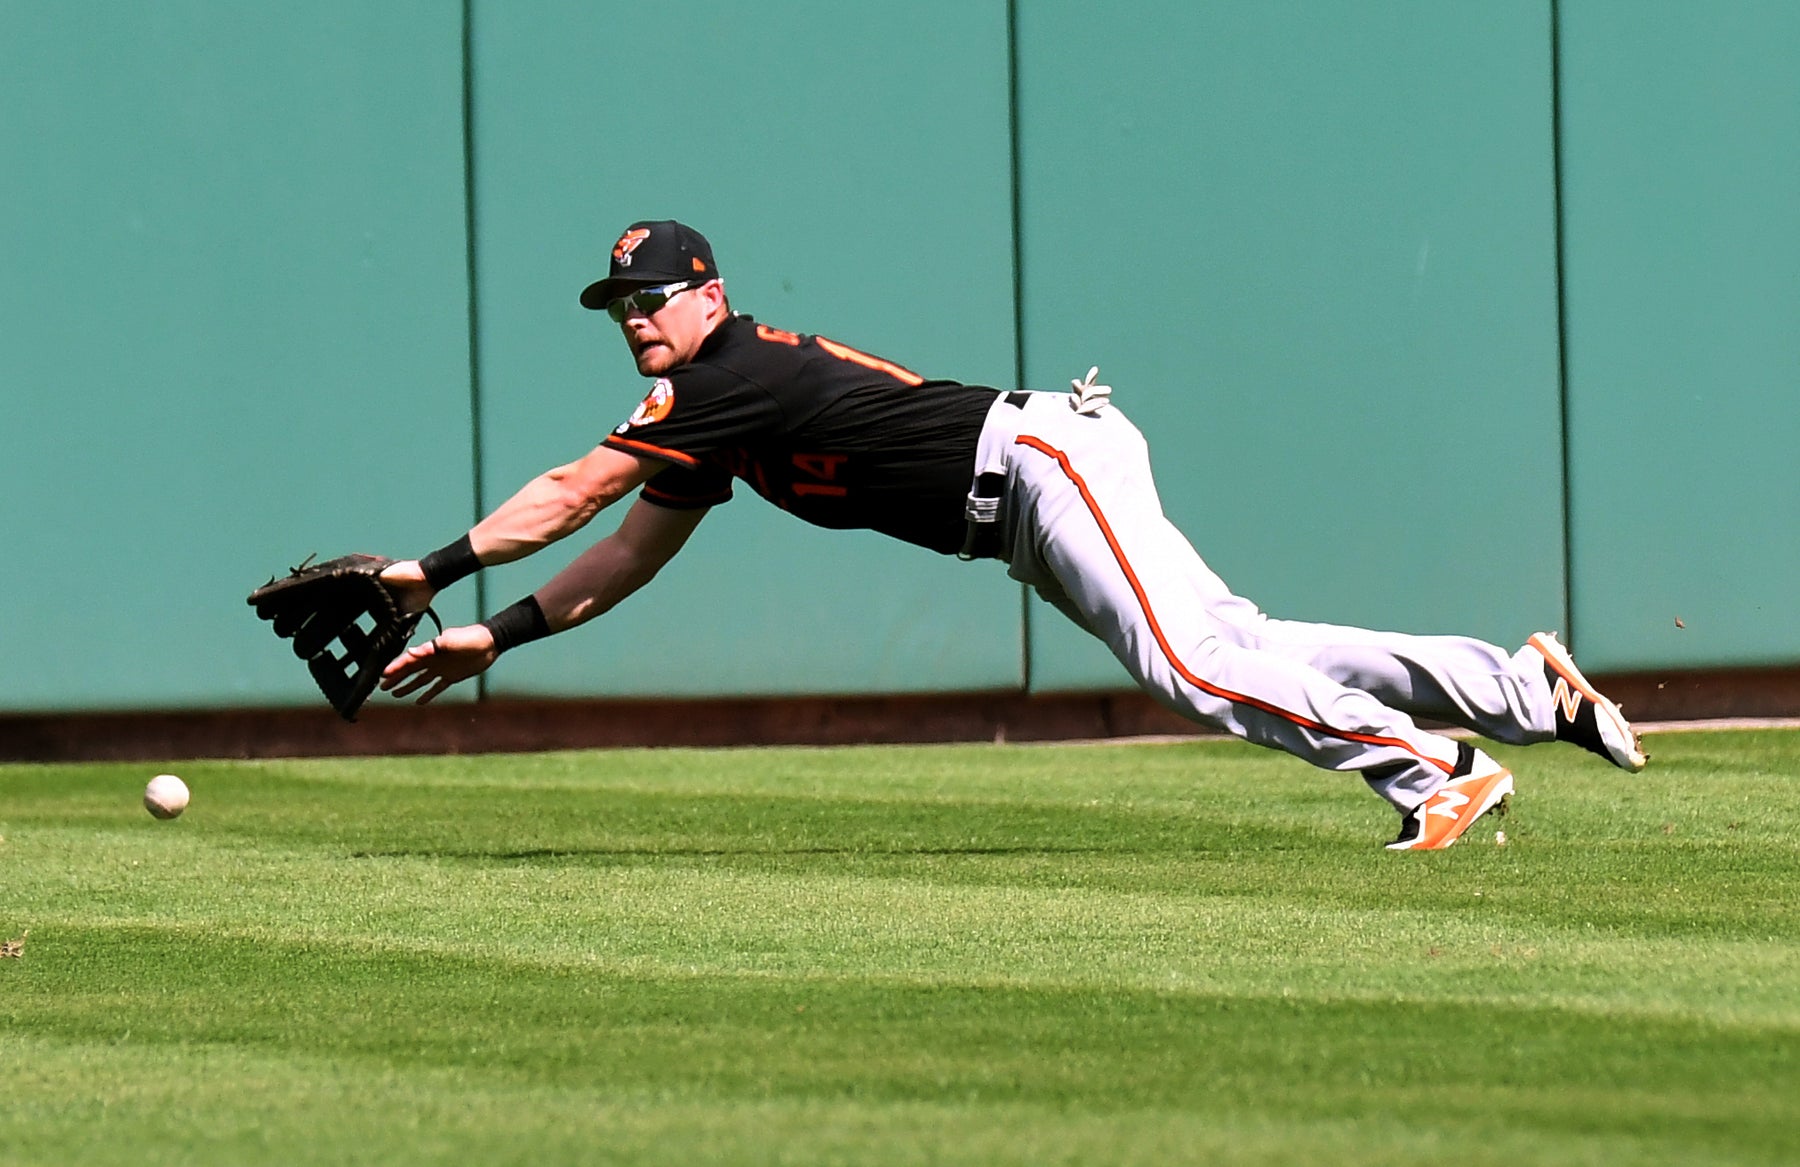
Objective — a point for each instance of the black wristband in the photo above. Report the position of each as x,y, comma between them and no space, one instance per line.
519,624
446,565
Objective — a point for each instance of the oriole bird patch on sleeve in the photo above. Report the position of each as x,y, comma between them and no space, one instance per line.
655,406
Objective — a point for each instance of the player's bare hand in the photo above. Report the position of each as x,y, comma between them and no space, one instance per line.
408,579
453,655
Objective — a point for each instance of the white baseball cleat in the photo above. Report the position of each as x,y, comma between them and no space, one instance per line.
1453,807
1583,715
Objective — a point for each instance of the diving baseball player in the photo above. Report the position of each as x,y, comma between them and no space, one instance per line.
1055,485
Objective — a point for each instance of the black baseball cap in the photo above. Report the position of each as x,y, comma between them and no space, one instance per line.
656,251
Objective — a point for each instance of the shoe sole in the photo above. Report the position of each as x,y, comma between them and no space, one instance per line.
1631,757
1496,798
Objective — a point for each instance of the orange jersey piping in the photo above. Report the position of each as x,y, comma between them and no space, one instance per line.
844,352
676,456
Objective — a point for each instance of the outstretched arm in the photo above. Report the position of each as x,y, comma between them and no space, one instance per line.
552,506
617,565
597,580
559,503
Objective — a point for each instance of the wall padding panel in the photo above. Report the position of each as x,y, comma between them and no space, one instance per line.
1682,195
1312,246
235,316
851,168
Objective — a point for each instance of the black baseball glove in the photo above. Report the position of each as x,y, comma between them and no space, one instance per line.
345,622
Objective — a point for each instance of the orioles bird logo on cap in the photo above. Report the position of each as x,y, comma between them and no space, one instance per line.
627,244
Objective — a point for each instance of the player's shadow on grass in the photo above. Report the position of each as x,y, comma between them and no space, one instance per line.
626,854
630,827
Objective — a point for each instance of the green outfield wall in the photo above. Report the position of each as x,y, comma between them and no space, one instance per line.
234,302
1316,259
855,179
1681,189
1479,317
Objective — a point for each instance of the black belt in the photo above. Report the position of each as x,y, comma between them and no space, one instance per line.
982,539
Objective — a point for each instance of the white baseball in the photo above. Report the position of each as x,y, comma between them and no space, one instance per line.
166,796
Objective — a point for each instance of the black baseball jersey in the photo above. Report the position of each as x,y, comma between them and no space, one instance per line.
840,438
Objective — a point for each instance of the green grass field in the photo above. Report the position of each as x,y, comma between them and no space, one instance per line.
987,954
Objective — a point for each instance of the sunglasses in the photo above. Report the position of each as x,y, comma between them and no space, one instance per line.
648,301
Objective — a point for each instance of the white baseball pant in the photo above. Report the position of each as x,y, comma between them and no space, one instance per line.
1082,524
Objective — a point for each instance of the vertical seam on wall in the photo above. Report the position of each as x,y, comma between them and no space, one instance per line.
1018,288
474,310
1562,321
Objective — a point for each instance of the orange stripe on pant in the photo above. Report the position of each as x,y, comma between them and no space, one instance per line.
1162,642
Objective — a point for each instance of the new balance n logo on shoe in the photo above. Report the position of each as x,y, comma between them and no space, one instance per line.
1568,700
1447,802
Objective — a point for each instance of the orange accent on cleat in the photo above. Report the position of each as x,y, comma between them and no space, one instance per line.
1453,807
